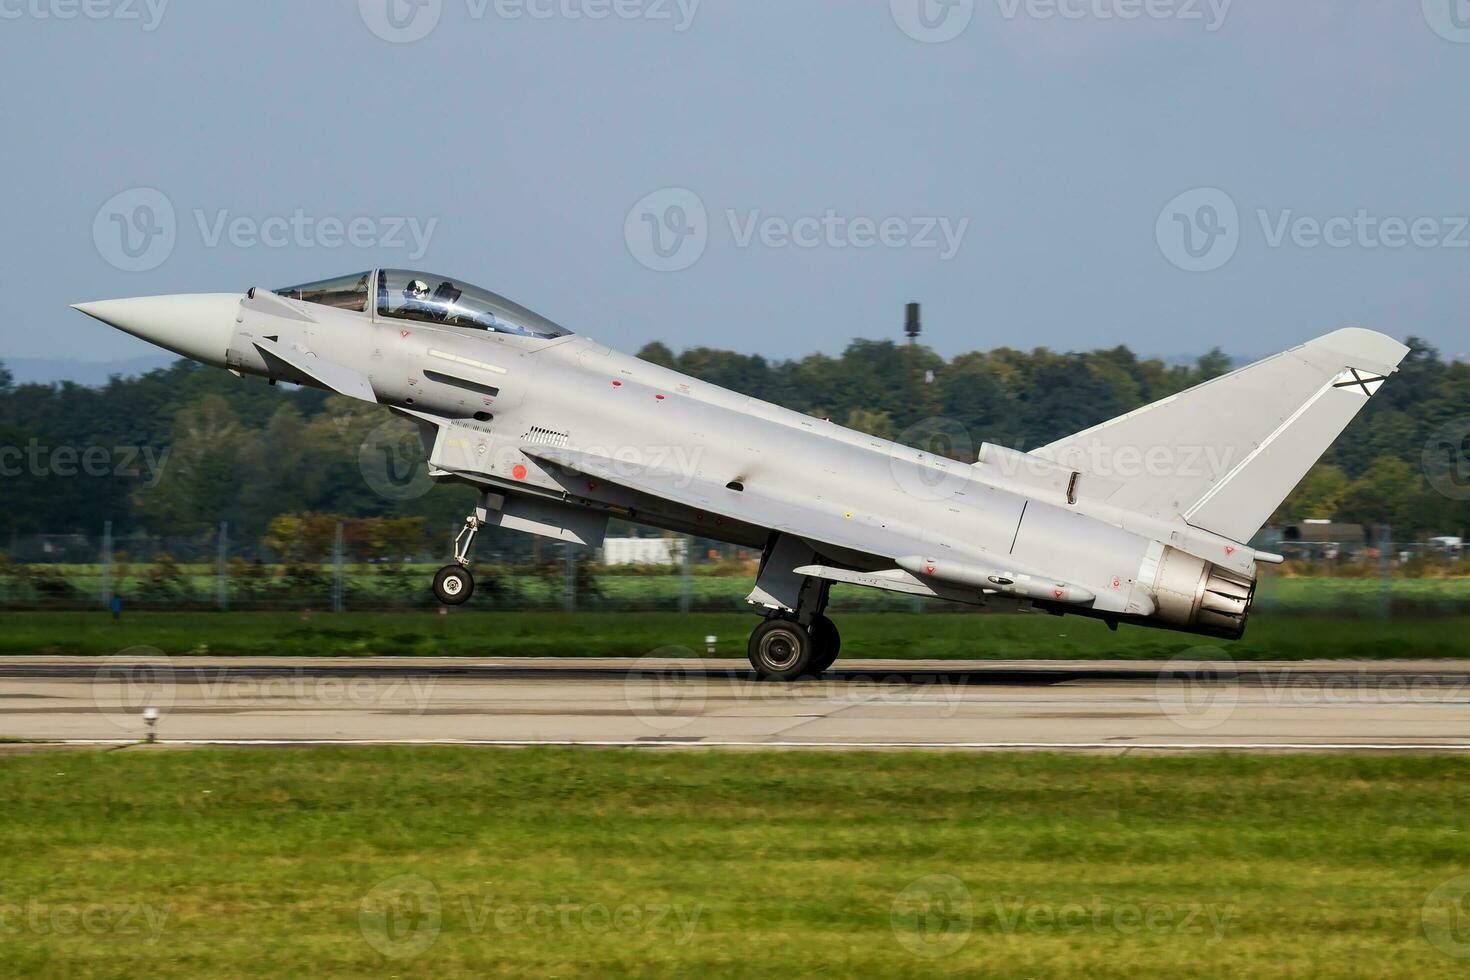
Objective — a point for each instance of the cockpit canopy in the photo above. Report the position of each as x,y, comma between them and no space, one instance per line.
427,298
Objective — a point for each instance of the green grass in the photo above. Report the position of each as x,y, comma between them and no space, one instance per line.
524,588
894,635
563,863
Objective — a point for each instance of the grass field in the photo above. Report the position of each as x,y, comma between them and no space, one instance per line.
452,863
894,635
617,591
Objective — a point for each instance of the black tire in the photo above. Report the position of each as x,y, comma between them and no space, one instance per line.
453,585
781,650
827,643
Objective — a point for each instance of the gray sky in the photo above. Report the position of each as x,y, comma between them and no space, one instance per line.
833,159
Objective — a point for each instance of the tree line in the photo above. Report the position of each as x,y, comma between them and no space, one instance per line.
177,450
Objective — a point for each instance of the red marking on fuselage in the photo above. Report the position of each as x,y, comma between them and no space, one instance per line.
1058,593
519,472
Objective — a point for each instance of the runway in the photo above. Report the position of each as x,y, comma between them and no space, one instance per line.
1113,707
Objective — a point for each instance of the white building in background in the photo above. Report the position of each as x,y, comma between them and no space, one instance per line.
644,551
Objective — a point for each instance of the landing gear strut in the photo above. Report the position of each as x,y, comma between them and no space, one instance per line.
797,639
453,584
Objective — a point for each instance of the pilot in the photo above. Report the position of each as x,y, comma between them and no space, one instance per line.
416,300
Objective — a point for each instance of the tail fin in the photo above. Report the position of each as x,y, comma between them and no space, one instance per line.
1222,456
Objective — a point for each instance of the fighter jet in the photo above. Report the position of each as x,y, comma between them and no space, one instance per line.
1143,520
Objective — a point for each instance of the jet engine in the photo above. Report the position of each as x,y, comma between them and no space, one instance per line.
1198,596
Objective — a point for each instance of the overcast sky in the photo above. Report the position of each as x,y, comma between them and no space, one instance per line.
773,176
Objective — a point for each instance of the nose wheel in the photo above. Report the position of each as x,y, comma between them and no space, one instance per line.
454,585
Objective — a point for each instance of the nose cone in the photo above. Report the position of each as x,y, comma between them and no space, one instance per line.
197,325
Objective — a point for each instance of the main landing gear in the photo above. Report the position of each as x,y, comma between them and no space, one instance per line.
782,649
453,584
796,639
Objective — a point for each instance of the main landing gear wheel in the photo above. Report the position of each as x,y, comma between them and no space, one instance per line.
828,644
454,585
780,649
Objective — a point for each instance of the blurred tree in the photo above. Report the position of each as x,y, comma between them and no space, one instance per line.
878,424
1318,497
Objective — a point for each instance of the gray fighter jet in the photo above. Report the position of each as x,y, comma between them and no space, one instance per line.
1142,520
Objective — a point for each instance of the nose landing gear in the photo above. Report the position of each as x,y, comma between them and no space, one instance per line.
453,584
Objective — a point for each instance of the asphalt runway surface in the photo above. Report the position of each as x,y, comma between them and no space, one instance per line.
1115,707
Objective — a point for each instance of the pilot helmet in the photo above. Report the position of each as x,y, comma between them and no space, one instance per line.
417,289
